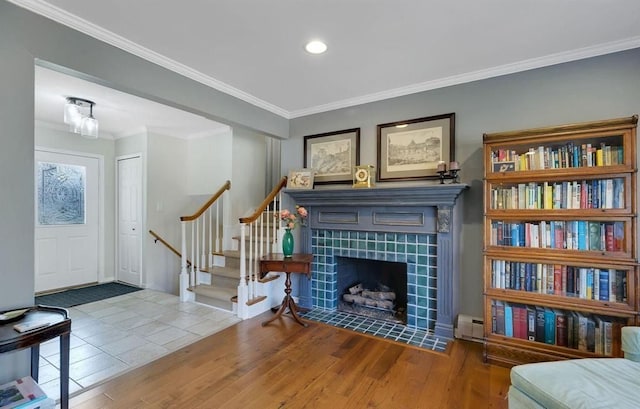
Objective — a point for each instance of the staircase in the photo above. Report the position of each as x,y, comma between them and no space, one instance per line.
230,279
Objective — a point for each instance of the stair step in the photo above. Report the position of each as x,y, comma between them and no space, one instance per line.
229,272
215,296
214,292
256,300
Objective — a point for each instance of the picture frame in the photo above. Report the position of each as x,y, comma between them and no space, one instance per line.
332,155
411,149
300,179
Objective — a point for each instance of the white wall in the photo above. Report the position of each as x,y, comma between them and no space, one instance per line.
249,164
166,201
209,164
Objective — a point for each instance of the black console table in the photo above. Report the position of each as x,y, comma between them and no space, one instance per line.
59,326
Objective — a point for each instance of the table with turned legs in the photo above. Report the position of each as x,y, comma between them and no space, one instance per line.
297,263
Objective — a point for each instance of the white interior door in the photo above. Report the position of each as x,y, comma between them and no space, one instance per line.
67,226
130,220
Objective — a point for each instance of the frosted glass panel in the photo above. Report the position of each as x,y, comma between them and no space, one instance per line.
61,191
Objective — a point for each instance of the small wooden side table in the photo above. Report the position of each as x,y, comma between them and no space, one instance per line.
59,326
297,263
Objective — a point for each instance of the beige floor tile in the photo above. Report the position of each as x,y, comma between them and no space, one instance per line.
105,312
103,375
133,322
115,319
75,354
52,388
105,336
167,335
47,372
183,320
150,328
143,354
123,344
185,340
91,365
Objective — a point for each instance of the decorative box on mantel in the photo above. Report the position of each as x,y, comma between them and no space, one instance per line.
416,225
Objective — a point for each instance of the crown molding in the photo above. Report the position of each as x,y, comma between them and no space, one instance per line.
63,17
552,59
77,23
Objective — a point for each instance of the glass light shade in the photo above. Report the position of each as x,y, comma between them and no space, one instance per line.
89,127
72,114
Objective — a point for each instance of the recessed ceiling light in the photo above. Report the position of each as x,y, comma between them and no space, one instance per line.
315,47
402,126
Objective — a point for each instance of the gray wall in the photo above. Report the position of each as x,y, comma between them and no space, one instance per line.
27,38
597,88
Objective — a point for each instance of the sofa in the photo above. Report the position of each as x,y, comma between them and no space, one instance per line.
589,383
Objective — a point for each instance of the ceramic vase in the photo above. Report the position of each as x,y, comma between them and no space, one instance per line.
287,243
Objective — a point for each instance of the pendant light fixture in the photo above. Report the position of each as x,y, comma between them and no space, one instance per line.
78,114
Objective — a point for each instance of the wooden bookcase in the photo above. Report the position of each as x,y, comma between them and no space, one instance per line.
560,241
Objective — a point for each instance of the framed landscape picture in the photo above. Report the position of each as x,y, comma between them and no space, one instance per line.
332,155
411,149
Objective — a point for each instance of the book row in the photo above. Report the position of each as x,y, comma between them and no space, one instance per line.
570,234
571,329
570,155
585,194
558,279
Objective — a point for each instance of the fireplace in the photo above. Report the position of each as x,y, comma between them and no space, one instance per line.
418,227
373,288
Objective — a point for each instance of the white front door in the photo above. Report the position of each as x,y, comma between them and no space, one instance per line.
67,211
130,220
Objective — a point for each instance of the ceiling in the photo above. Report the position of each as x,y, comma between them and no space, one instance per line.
253,49
118,113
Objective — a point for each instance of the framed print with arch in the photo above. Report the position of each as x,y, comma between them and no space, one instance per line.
411,149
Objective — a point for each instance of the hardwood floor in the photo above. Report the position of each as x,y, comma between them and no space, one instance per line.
284,365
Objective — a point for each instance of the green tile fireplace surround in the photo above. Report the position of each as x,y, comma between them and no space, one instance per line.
417,225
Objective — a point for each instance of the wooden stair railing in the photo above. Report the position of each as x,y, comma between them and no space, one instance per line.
258,232
158,238
202,235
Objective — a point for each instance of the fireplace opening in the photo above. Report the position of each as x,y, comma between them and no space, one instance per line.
373,288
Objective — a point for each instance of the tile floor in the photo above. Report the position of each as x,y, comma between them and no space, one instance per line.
383,329
113,336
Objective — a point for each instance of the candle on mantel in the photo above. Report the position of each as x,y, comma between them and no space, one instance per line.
442,167
454,165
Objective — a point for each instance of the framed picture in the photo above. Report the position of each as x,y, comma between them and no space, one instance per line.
300,179
332,155
411,149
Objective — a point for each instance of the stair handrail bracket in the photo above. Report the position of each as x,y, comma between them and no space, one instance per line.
202,238
258,237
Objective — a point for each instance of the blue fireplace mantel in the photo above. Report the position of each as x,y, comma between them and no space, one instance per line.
425,209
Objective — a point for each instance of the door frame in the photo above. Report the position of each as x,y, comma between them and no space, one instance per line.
143,213
101,203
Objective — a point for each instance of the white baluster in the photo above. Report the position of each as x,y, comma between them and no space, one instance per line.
193,255
252,232
210,252
184,272
218,238
243,255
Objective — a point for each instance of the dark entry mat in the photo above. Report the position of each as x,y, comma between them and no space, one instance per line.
85,295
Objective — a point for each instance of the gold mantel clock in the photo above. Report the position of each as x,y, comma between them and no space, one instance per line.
363,176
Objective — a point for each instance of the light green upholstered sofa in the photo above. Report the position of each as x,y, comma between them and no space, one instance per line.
611,383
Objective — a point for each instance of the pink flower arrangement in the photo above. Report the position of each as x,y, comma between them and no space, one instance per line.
291,219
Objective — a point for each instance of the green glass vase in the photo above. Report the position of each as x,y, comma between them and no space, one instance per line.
287,243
